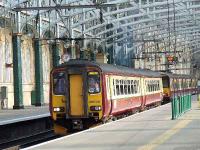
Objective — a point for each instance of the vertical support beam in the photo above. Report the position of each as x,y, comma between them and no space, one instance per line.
110,56
93,55
82,54
55,54
38,73
17,72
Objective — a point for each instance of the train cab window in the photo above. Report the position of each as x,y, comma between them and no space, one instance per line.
59,83
93,82
165,81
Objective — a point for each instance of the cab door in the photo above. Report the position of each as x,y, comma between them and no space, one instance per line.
76,95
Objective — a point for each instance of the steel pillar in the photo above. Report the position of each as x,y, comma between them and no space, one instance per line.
93,56
111,55
55,54
38,73
17,72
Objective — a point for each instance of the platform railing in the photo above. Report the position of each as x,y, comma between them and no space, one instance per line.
180,105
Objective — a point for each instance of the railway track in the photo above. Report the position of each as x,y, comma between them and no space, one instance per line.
27,141
40,137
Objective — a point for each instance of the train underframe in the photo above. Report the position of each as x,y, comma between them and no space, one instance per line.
75,124
63,126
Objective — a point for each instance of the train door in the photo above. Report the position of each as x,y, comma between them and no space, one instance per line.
143,92
76,95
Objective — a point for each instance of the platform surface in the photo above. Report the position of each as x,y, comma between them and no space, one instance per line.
150,130
28,113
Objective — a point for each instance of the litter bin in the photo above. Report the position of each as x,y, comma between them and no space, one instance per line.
4,97
33,97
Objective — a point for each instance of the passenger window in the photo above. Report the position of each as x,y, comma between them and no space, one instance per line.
117,87
135,87
125,87
59,83
93,82
121,87
114,90
132,87
129,87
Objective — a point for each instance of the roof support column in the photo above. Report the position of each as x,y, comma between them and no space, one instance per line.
17,65
110,56
17,72
38,73
92,55
82,54
55,46
55,54
39,90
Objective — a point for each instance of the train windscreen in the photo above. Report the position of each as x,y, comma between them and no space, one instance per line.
59,83
93,82
165,81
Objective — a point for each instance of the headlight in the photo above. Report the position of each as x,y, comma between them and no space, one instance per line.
95,108
58,109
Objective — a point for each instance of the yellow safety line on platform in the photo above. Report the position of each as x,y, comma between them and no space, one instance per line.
199,103
165,136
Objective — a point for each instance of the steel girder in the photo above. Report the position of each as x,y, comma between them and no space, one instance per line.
151,17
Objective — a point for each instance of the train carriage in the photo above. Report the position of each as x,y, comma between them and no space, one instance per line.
177,85
83,92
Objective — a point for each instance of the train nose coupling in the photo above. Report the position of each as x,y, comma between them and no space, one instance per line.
77,124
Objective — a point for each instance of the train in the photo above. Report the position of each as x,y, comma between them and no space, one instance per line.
177,85
83,93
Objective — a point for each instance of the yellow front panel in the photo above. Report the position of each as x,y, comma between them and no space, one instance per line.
58,101
95,100
166,91
76,95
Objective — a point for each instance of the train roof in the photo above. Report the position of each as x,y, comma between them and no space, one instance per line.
175,75
112,68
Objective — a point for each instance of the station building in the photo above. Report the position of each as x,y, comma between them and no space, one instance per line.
32,42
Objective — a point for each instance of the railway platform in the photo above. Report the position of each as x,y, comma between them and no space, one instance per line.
150,130
17,127
9,116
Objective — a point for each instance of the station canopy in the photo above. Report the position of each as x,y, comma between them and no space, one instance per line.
173,24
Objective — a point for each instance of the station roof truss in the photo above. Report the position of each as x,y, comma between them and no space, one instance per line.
174,24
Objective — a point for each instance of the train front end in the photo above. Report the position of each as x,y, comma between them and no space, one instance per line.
76,97
166,88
